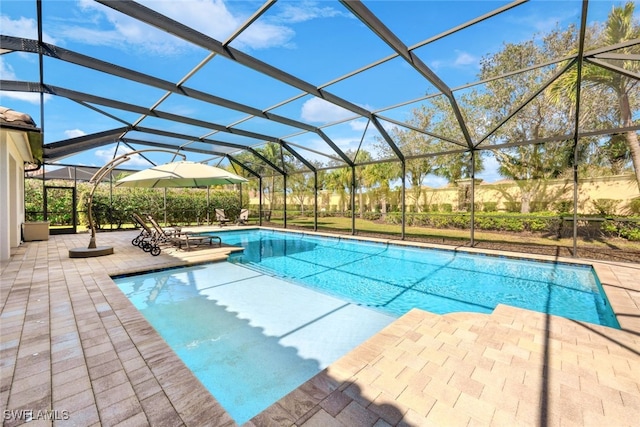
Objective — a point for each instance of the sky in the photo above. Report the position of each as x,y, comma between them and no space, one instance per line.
315,41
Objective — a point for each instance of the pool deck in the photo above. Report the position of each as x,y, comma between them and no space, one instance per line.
74,348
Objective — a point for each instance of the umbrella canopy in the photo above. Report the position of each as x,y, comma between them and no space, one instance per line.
180,174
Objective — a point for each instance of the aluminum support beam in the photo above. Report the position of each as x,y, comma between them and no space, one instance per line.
526,101
576,130
153,18
57,150
372,21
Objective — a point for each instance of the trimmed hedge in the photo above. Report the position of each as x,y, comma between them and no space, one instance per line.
115,205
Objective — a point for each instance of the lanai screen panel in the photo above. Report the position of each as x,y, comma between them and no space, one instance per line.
244,74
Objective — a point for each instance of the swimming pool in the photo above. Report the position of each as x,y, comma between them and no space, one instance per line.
256,327
248,337
395,278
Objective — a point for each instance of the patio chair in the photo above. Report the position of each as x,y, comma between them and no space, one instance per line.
190,239
165,232
176,237
147,240
221,217
243,218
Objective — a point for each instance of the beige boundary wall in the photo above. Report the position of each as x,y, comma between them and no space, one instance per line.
622,188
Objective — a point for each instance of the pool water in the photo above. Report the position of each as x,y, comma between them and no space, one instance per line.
248,337
257,327
395,278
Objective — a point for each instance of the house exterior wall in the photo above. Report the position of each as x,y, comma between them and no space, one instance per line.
11,192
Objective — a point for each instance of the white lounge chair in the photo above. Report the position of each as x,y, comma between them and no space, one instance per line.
221,217
243,218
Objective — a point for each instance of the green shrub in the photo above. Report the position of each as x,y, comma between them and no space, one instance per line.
513,206
564,206
634,206
609,228
490,207
605,207
632,234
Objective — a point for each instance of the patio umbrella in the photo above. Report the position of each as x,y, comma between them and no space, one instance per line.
180,174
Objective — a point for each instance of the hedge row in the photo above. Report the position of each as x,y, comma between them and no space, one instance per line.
183,206
115,206
547,223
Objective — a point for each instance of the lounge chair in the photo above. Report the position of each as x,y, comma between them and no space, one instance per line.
147,240
190,239
166,232
243,218
178,238
221,217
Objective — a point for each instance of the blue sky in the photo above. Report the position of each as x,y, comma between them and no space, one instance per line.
316,41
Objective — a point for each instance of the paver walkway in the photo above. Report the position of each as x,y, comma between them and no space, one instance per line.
73,348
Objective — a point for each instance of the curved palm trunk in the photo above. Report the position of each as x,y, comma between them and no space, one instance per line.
631,136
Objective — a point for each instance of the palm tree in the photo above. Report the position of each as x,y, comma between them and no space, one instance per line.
619,27
272,152
339,181
378,176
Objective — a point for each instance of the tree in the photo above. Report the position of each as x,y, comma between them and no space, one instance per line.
339,181
377,177
619,27
412,143
530,165
361,181
302,185
421,149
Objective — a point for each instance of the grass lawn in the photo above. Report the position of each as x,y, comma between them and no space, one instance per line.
394,231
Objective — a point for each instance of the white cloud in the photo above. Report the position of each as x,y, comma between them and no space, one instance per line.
30,97
74,133
320,111
6,70
210,17
358,125
262,36
23,27
294,12
464,59
7,73
107,155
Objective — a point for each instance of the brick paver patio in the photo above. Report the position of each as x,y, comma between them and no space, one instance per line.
74,349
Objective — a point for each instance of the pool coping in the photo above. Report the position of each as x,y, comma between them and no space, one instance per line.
65,322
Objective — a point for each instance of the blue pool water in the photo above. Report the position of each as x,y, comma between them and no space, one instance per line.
395,278
248,337
251,333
